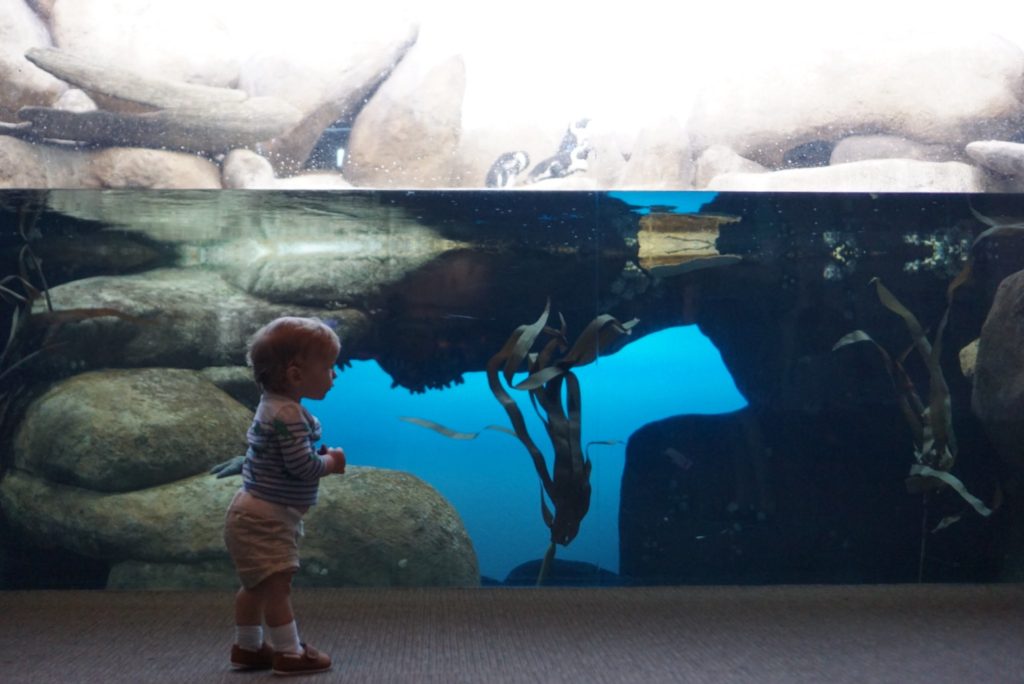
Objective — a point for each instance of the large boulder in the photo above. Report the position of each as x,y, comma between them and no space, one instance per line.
372,527
28,165
184,318
121,430
327,70
22,84
998,394
875,175
949,88
192,41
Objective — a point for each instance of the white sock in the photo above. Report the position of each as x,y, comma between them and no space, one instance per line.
249,637
285,638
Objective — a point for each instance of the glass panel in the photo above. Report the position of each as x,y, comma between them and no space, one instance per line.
734,431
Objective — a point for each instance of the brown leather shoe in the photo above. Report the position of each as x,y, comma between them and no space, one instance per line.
307,662
244,659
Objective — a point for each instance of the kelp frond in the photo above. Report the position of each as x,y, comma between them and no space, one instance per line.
931,424
554,393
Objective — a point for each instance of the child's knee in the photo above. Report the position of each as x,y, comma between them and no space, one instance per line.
277,584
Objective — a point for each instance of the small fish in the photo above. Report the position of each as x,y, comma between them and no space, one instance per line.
463,317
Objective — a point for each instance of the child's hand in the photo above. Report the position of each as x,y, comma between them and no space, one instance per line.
337,456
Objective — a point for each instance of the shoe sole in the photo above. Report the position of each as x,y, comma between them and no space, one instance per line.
291,673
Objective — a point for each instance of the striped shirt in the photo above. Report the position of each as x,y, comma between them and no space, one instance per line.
281,464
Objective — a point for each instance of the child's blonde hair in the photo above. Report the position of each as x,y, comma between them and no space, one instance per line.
284,341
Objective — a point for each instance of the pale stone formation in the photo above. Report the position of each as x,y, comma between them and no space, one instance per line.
247,170
879,175
660,159
372,527
407,133
25,165
933,88
863,147
122,430
190,41
21,83
326,87
719,160
28,165
125,167
75,100
1004,158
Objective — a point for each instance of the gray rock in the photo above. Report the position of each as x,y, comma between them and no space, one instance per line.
661,159
236,381
247,170
997,398
719,160
895,87
121,430
880,175
24,85
126,167
183,318
1002,157
864,147
408,132
28,165
372,527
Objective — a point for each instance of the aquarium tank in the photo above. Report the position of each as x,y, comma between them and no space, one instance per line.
623,299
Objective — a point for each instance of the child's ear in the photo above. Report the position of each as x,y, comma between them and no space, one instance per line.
293,374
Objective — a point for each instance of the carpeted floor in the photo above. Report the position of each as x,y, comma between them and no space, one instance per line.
832,635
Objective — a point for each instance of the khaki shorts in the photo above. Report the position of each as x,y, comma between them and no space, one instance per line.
262,537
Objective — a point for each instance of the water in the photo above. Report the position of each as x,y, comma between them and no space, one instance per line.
495,467
730,442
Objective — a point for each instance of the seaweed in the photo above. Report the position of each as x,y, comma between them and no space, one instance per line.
931,424
554,392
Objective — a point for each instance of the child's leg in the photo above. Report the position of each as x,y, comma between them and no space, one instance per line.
276,595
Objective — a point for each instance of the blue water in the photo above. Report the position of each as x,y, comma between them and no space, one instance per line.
678,201
491,480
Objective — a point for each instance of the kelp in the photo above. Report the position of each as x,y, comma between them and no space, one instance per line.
554,393
931,424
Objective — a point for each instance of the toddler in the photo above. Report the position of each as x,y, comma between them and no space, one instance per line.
292,358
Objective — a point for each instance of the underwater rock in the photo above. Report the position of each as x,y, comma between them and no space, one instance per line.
563,573
876,175
891,86
372,527
23,84
705,502
235,381
121,430
968,357
997,398
184,318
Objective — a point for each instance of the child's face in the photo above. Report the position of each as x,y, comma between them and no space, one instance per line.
313,376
